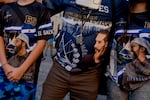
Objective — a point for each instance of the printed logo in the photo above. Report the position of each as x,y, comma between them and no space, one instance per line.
30,20
7,15
104,9
147,25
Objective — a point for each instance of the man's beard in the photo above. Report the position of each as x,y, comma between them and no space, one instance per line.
18,48
135,54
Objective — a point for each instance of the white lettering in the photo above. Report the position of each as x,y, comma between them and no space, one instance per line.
103,8
45,32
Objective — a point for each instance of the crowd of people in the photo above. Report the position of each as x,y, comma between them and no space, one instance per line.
103,47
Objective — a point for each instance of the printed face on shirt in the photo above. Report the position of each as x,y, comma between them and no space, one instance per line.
19,44
135,48
100,41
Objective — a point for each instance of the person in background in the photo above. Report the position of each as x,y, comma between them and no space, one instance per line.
137,25
136,78
28,17
82,20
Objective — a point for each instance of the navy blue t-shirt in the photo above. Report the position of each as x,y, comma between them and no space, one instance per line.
32,19
139,26
80,26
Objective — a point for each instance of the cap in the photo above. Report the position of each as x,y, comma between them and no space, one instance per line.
142,42
24,38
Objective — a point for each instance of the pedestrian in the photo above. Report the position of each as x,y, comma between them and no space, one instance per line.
28,17
72,71
137,25
136,78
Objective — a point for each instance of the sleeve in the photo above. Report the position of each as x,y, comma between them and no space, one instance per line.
89,61
55,6
45,27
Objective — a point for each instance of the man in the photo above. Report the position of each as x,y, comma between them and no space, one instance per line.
81,21
136,26
136,77
28,17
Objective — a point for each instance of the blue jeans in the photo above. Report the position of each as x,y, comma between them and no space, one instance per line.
114,92
141,93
